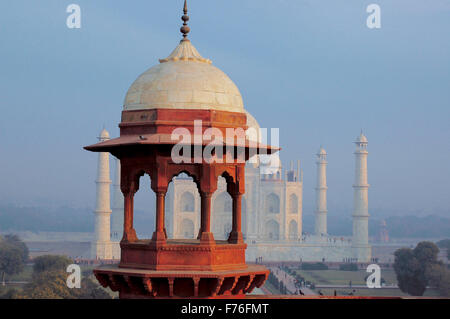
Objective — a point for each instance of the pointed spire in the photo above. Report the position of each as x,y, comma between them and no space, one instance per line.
185,29
185,51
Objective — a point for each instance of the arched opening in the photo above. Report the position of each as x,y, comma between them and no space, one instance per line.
293,230
273,204
187,228
272,230
293,204
144,208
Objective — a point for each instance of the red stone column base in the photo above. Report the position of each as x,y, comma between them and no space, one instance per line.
158,238
236,238
207,238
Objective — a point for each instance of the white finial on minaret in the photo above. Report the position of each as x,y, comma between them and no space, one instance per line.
321,193
101,246
360,215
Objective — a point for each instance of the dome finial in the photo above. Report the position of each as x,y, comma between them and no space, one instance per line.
185,29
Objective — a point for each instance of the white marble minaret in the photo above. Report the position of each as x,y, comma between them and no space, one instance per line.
321,193
101,246
360,243
117,214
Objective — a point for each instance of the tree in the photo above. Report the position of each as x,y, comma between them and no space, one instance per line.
49,282
439,277
15,241
348,267
47,285
50,263
412,267
11,260
91,290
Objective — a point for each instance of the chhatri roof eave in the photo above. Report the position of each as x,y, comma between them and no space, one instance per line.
166,139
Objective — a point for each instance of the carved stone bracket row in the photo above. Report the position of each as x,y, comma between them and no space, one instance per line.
182,286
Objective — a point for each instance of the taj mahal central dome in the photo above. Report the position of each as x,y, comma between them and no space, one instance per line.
184,80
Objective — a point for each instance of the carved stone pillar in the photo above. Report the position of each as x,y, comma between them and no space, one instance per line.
206,235
129,233
159,236
236,236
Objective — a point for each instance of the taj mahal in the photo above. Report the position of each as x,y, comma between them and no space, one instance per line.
272,211
272,206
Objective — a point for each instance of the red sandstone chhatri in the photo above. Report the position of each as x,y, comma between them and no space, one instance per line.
160,267
182,90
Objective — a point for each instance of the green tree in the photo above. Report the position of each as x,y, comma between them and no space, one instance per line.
412,267
50,263
47,285
91,290
49,282
15,241
11,260
439,277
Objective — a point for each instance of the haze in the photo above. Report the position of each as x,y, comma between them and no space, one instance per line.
311,68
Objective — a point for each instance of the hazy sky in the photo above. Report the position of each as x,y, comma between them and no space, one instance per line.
311,68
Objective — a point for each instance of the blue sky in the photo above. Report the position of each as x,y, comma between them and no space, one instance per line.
311,68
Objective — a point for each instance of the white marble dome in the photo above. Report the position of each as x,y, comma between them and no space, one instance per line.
270,164
184,80
253,132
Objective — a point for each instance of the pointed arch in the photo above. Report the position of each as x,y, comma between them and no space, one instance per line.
273,204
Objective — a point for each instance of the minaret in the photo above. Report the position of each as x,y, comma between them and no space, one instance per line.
321,193
360,244
117,213
101,246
